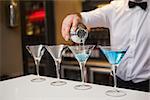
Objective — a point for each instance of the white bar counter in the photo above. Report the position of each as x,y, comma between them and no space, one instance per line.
22,88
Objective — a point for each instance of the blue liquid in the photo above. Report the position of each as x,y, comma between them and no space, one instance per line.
81,57
114,57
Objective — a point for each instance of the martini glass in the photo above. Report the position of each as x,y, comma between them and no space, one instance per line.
114,56
37,52
82,53
56,53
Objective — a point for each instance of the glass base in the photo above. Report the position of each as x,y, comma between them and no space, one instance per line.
115,93
38,79
83,87
58,83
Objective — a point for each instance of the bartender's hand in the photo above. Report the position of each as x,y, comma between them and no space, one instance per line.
70,22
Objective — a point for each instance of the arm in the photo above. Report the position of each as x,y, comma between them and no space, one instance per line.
99,17
95,18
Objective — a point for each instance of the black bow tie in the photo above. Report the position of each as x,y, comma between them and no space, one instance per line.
143,5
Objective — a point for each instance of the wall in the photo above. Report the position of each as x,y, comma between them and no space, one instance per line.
62,8
10,47
10,39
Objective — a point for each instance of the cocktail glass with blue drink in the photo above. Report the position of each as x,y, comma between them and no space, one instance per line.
82,54
114,56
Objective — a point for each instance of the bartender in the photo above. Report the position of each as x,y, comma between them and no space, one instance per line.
129,23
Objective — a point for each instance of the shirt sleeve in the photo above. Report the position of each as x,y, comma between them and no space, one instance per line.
99,17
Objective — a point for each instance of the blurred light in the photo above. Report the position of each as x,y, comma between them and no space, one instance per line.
37,16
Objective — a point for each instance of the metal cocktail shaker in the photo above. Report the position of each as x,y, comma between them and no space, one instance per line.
79,35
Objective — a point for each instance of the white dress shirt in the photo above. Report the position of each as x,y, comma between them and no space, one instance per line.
128,26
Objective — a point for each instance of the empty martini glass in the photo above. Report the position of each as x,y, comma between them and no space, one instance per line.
82,53
56,53
114,56
37,52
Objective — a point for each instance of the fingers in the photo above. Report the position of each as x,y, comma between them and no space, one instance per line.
75,23
71,21
66,25
65,32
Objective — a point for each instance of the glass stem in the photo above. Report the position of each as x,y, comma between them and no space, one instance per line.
37,63
83,72
57,63
114,76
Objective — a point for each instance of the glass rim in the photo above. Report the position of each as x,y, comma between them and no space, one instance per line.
113,48
81,45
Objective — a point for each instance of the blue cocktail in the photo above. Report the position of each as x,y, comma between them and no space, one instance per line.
114,56
82,54
82,57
